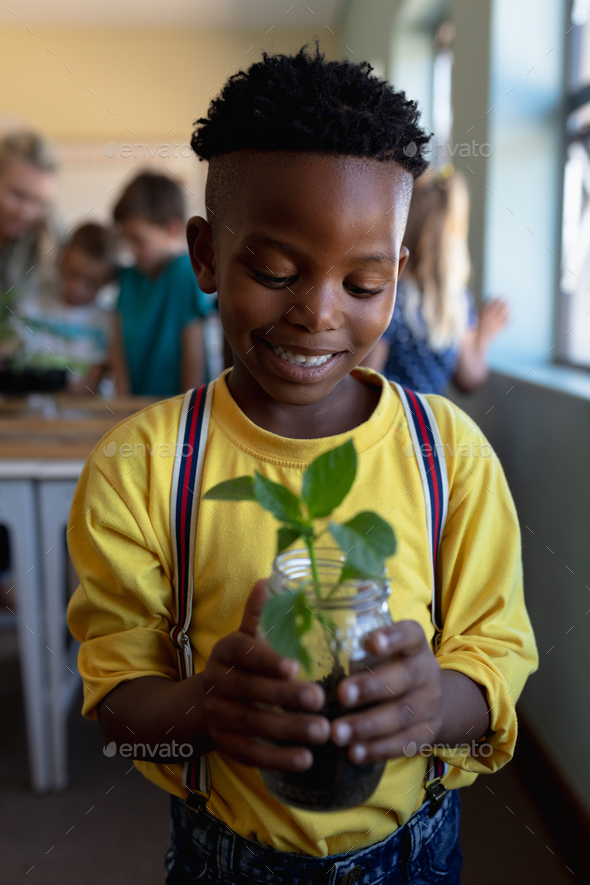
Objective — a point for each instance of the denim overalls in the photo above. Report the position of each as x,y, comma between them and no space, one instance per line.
424,851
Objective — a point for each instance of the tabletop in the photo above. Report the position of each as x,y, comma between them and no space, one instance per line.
54,433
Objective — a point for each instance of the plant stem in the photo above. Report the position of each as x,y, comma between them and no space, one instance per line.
335,587
314,566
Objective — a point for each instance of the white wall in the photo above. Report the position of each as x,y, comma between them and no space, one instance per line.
541,435
87,87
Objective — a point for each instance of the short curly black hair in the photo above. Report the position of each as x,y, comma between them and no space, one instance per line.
303,103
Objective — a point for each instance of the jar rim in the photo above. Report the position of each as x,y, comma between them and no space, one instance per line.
370,591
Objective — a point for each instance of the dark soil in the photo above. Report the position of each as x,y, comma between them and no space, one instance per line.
333,782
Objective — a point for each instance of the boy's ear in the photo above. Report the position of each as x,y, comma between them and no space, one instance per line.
202,254
404,254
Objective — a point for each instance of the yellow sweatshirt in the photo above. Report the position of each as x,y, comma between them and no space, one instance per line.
119,541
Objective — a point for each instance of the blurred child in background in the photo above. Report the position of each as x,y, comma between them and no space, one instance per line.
160,304
435,335
71,332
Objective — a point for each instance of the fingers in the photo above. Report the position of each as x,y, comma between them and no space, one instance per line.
389,718
252,751
272,725
266,687
241,650
403,695
392,682
404,641
404,743
493,316
404,637
495,305
251,734
244,677
249,669
253,608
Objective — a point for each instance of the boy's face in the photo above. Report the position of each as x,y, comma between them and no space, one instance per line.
82,276
151,244
305,263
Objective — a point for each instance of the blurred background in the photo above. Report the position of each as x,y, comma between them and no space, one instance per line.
114,88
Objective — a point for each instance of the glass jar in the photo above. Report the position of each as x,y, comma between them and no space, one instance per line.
338,645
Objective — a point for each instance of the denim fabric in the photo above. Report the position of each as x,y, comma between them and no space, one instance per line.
425,851
411,361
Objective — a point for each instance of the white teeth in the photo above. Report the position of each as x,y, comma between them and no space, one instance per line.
298,359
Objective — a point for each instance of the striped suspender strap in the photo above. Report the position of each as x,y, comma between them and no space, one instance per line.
430,455
435,789
184,508
437,768
184,505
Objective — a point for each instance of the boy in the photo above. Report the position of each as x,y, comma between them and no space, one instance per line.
160,304
72,333
308,192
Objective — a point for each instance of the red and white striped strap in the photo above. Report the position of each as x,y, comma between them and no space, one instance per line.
184,509
430,456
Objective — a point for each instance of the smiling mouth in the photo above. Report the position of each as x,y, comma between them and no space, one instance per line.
300,359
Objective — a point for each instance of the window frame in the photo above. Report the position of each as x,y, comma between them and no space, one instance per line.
575,97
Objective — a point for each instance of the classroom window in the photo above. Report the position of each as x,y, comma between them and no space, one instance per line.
442,99
575,270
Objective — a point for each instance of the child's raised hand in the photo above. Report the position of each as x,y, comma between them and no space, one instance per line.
406,691
244,678
493,316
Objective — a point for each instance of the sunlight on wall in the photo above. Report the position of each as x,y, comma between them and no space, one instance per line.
117,100
85,85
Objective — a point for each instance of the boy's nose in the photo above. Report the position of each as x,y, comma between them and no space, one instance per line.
317,308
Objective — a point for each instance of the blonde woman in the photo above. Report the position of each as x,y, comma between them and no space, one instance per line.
435,334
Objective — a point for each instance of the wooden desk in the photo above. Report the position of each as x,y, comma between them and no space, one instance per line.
59,427
44,443
67,403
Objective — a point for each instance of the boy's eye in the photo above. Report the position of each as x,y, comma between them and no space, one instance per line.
360,290
275,282
282,282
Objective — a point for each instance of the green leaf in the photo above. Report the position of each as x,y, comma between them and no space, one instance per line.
286,536
328,479
367,541
277,499
376,531
349,573
285,618
239,489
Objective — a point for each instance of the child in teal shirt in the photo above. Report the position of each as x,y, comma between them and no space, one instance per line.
160,304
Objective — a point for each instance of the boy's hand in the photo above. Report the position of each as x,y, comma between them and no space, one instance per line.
244,678
408,688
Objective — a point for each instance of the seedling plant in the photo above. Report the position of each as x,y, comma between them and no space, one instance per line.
366,540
